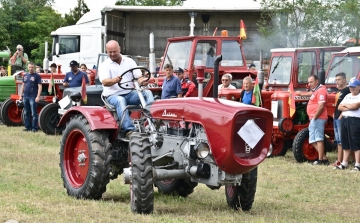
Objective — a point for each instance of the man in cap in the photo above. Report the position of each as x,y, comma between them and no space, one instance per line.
74,77
187,86
350,125
19,58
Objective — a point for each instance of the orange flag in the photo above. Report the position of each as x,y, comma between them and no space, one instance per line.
242,30
83,90
292,100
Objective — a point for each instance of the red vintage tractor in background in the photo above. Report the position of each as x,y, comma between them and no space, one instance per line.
347,61
178,143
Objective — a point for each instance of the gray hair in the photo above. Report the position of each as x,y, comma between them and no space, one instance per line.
247,79
19,47
229,76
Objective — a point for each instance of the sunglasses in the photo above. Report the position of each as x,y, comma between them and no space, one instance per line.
224,79
19,49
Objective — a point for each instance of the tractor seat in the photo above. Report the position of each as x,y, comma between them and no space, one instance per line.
108,106
237,83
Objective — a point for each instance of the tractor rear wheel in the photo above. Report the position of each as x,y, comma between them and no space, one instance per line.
85,157
303,150
49,119
141,189
242,196
176,187
10,113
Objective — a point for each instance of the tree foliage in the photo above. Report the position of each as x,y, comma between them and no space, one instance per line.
76,13
149,2
294,23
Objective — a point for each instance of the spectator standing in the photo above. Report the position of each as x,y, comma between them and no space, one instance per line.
74,77
252,67
247,92
19,58
109,75
171,86
158,67
53,68
226,82
3,71
187,86
343,90
83,67
30,93
350,125
317,113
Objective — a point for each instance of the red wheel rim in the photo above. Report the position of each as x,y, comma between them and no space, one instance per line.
76,158
277,147
13,113
230,191
309,151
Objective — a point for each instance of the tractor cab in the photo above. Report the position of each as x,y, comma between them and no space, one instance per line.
190,51
292,67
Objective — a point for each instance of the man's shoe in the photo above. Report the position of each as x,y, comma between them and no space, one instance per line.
325,162
26,130
340,167
128,134
34,130
317,162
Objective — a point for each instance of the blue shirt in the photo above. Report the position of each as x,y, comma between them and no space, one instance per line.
31,84
75,80
247,97
171,87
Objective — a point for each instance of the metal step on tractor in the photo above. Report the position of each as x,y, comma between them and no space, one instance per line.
178,143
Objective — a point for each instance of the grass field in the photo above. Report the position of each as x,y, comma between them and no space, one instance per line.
31,190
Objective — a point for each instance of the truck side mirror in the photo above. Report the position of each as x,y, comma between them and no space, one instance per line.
57,49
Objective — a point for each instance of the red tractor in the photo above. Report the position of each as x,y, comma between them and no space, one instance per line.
346,61
178,143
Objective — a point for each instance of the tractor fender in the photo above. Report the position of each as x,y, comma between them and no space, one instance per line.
98,118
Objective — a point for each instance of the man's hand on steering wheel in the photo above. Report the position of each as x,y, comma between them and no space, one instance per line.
118,79
143,81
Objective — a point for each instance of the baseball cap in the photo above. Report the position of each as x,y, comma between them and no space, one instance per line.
74,63
354,82
53,65
252,65
179,70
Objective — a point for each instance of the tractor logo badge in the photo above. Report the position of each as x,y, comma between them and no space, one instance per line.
168,114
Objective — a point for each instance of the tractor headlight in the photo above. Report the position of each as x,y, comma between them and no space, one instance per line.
202,150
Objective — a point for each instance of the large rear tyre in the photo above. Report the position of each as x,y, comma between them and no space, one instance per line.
303,151
39,107
10,114
141,189
176,187
49,119
242,196
84,159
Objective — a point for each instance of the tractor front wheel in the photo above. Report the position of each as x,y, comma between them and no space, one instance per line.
141,189
10,113
280,147
242,196
176,187
49,119
85,157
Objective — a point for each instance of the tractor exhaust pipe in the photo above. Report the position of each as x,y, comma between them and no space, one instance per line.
46,60
158,174
260,73
152,62
216,75
192,22
322,70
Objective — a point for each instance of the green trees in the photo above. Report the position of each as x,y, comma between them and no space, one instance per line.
149,2
76,13
294,23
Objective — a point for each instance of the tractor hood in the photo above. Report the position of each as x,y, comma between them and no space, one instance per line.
221,119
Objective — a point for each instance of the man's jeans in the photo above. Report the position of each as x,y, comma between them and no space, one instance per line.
30,110
120,102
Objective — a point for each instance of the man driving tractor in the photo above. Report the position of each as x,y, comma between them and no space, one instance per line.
109,75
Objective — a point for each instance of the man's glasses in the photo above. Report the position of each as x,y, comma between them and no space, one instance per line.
19,49
224,79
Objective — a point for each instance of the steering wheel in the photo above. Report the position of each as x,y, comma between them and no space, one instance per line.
145,73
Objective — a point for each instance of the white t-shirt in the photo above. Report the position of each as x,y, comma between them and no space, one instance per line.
350,99
111,69
229,87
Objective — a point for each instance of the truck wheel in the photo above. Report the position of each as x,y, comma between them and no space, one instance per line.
84,159
49,119
176,187
10,114
141,189
39,107
242,196
280,147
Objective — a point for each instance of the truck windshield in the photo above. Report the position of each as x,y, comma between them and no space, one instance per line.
231,54
205,53
178,54
350,65
280,70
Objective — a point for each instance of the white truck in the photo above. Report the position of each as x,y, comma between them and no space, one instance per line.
131,26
